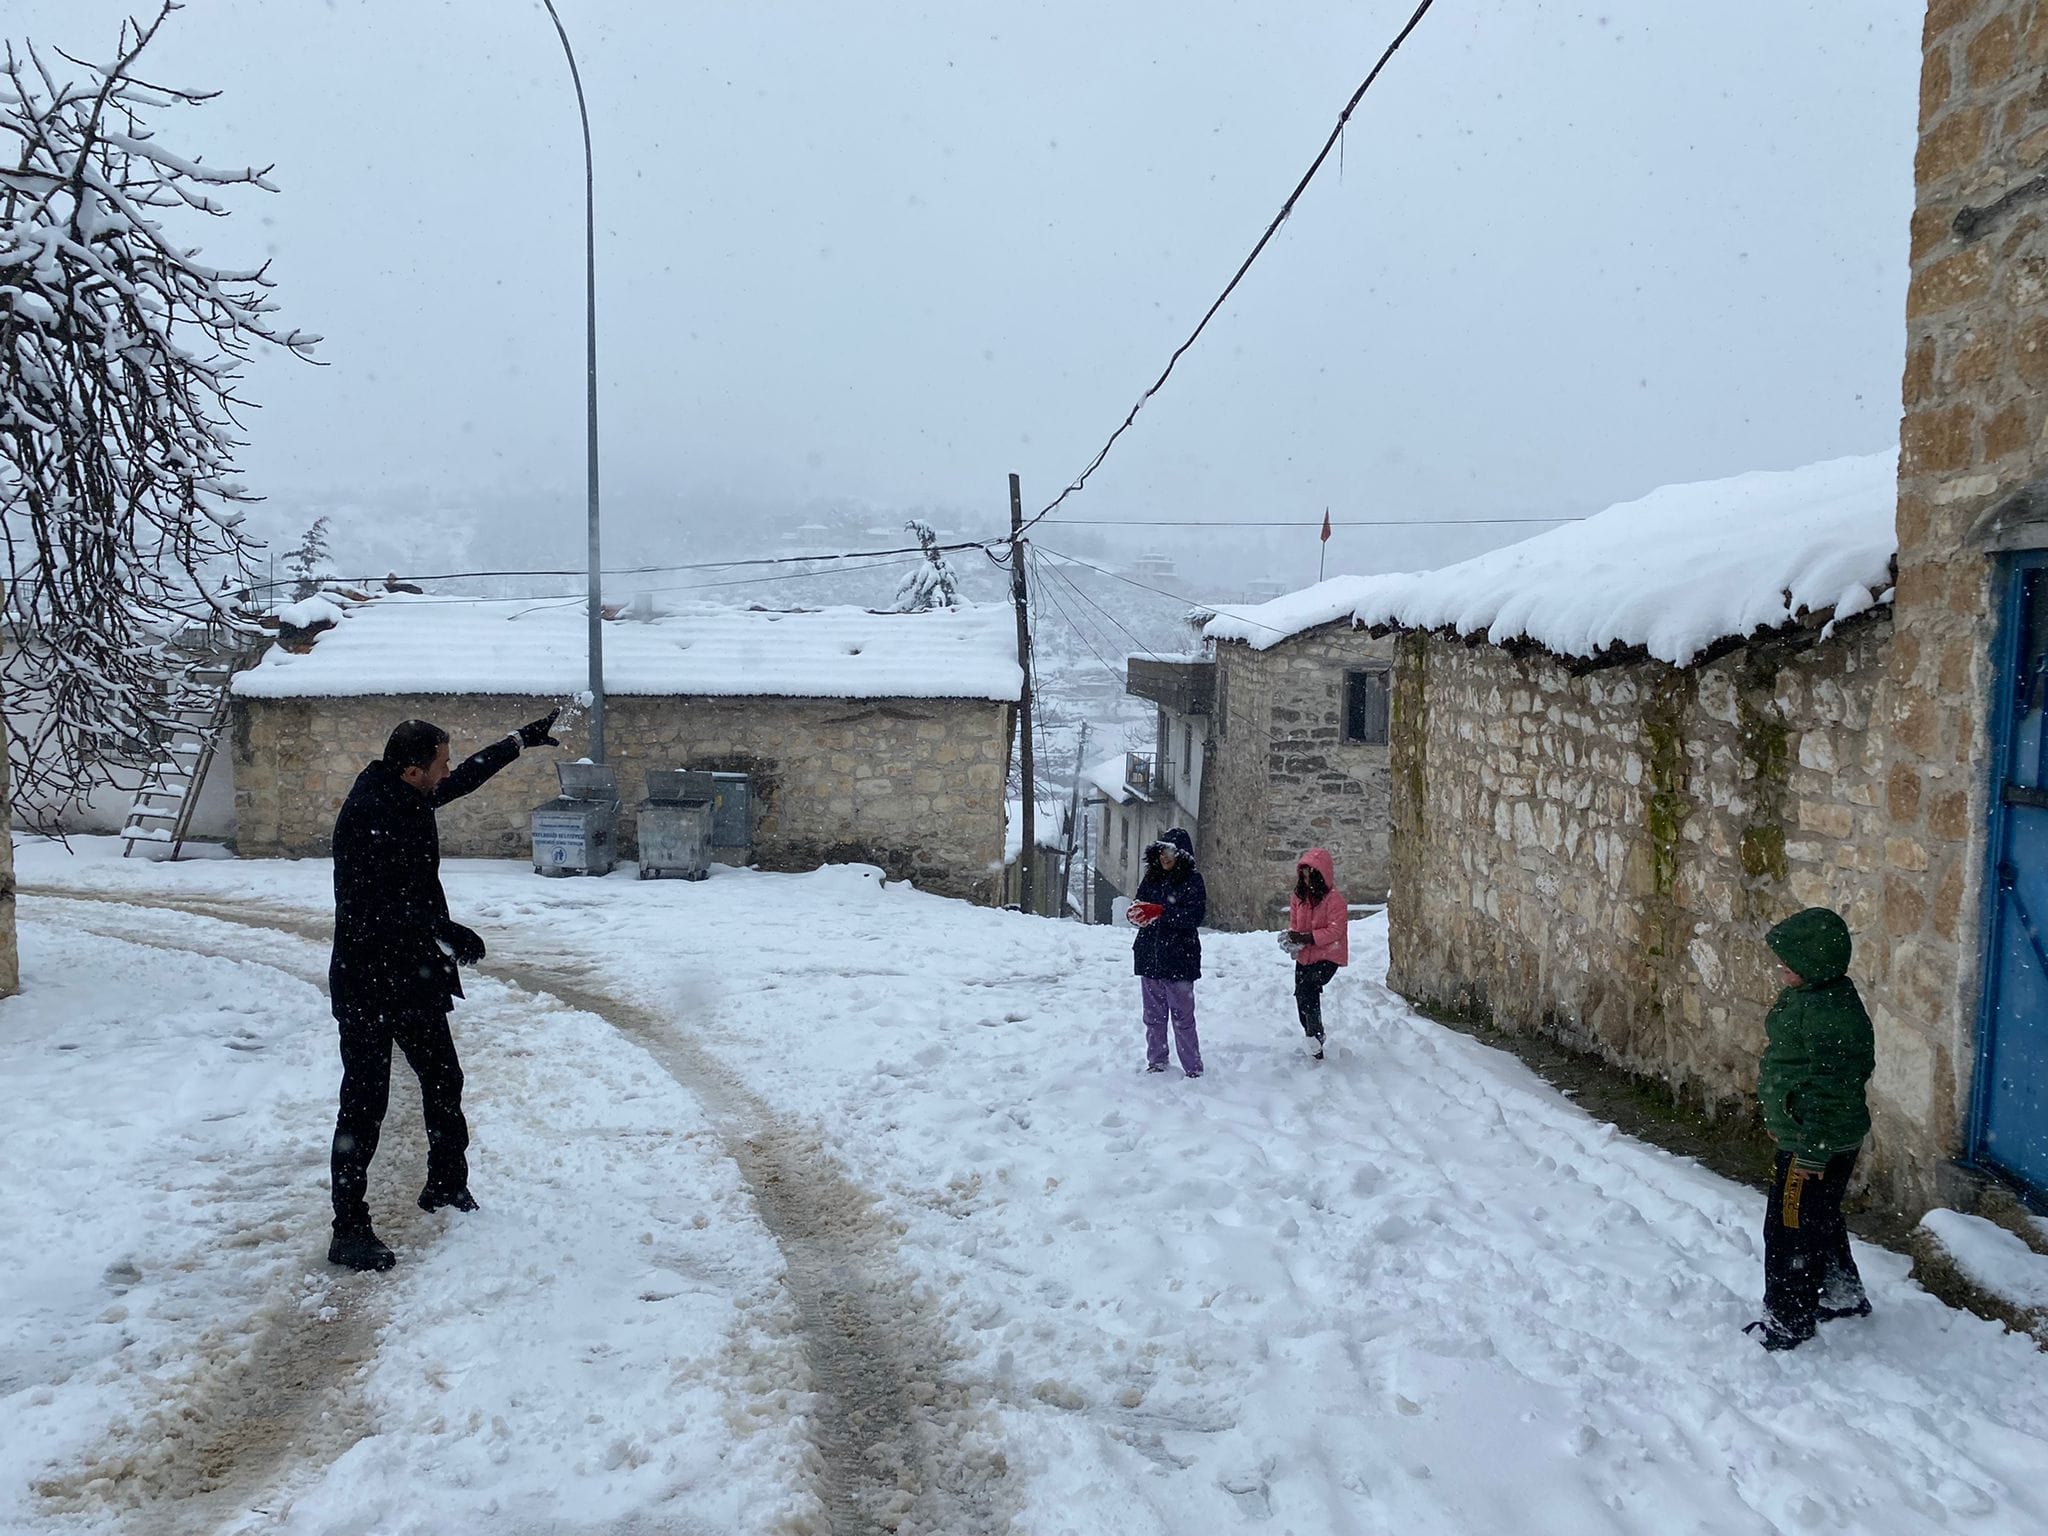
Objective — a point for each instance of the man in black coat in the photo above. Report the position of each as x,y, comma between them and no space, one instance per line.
393,975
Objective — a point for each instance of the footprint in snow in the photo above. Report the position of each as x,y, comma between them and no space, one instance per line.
1252,1490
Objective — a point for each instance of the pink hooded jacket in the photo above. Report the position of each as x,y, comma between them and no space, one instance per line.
1327,921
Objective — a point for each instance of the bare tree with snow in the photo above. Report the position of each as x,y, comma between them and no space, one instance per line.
120,360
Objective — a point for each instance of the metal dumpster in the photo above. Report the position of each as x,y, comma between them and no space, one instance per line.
675,825
577,832
732,818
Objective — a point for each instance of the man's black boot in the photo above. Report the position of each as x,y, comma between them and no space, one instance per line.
360,1250
1772,1337
432,1199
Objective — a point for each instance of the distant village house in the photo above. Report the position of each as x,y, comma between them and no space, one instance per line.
1301,757
1137,795
1273,742
878,738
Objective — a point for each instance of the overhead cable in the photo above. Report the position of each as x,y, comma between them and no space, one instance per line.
1079,592
1080,633
1310,522
1286,208
1160,591
699,586
642,570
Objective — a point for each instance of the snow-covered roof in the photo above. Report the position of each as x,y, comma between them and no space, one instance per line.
1108,777
1046,830
1673,572
311,611
403,644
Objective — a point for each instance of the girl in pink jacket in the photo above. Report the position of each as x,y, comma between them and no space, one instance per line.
1318,936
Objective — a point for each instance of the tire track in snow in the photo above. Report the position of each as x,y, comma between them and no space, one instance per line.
219,1446
905,1443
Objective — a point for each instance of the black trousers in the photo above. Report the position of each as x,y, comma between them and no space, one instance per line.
1309,981
367,1035
1806,1245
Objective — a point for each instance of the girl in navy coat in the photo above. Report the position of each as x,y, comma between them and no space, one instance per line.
1167,954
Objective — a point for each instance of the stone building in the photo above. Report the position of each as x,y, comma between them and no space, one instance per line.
1135,796
1964,796
1300,753
877,738
1623,749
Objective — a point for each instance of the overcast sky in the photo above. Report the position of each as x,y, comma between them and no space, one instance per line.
889,252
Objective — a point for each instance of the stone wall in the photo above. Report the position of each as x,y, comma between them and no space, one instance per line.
1597,856
1975,420
912,785
1281,778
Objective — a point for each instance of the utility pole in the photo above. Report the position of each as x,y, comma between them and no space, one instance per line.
1088,870
596,569
1027,855
1074,824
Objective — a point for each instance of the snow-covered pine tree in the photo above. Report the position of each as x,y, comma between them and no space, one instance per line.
930,585
120,359
308,563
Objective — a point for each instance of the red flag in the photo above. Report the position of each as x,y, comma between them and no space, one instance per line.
1326,525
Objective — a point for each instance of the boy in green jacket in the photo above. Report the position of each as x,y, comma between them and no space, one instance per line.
1818,1054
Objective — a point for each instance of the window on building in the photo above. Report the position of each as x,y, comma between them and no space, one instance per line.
1124,852
1367,697
1187,751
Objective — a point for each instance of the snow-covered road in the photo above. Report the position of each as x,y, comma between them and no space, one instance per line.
1411,1290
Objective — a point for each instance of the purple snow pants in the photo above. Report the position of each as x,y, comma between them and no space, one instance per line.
1178,999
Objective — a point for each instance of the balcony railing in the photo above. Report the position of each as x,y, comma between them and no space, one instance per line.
1140,774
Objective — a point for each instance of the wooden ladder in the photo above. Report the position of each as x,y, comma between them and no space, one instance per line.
168,796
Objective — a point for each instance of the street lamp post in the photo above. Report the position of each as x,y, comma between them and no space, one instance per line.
590,447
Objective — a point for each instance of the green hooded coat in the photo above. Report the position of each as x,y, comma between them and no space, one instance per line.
1818,1050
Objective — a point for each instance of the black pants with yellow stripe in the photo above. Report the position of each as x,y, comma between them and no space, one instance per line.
1807,1266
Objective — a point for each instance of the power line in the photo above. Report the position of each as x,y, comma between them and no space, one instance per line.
642,570
750,581
1080,633
699,586
1286,208
1050,571
1311,522
1160,591
1076,588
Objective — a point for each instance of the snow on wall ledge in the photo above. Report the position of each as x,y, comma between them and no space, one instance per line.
403,644
1674,572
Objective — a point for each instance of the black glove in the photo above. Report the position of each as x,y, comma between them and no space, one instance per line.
464,943
1296,936
538,733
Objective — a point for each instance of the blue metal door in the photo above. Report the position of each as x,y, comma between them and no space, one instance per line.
2012,1076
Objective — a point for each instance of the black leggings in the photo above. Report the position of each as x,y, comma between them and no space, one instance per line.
1309,981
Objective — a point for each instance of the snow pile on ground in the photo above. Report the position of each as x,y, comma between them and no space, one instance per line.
1992,1259
1409,1289
1673,572
403,644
